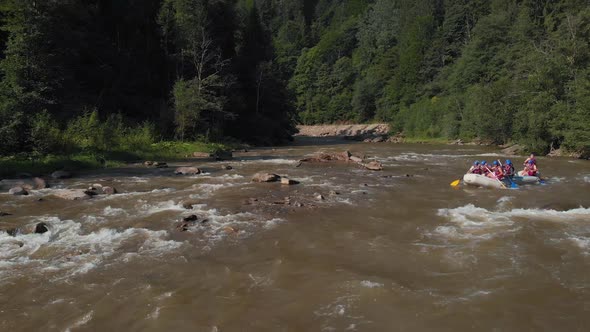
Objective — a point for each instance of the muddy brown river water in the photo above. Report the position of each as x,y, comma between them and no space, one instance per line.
389,253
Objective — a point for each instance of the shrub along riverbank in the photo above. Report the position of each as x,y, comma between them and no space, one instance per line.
88,143
33,164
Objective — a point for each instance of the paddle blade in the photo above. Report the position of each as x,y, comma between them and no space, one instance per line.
455,183
513,185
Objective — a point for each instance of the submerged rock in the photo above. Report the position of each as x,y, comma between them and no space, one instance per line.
287,181
374,166
41,228
160,165
71,194
356,159
187,171
226,167
61,175
2,214
189,204
18,191
265,177
109,190
11,231
148,163
192,217
320,197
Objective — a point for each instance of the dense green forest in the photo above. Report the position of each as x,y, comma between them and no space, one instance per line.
98,74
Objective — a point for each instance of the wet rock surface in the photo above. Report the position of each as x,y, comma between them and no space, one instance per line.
187,171
265,177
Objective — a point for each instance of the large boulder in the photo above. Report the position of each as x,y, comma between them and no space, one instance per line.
374,166
18,191
265,177
109,190
71,194
39,183
187,171
513,150
61,175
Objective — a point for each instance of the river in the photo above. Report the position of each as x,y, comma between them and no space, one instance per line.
391,250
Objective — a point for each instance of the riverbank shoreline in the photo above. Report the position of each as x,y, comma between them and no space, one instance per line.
25,165
381,133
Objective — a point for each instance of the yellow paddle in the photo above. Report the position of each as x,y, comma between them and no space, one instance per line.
455,183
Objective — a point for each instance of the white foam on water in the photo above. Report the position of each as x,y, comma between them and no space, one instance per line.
205,190
154,314
413,156
149,209
224,177
474,223
581,242
68,251
587,178
82,321
371,284
278,161
111,212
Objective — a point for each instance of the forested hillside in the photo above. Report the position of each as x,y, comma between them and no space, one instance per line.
103,74
497,70
96,74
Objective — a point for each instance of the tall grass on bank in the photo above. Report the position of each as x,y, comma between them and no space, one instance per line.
87,143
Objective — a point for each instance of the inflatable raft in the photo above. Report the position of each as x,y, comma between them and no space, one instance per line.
522,178
483,181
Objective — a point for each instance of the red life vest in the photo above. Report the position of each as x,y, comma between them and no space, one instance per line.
498,172
509,170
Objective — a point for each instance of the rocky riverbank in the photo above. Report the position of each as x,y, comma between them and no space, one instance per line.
378,132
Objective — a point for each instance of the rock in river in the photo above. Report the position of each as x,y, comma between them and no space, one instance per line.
189,204
41,228
187,171
265,177
39,183
71,194
287,181
374,166
109,190
61,175
18,191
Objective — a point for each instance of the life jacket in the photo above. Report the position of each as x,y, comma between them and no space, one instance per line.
475,170
531,172
498,172
509,170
